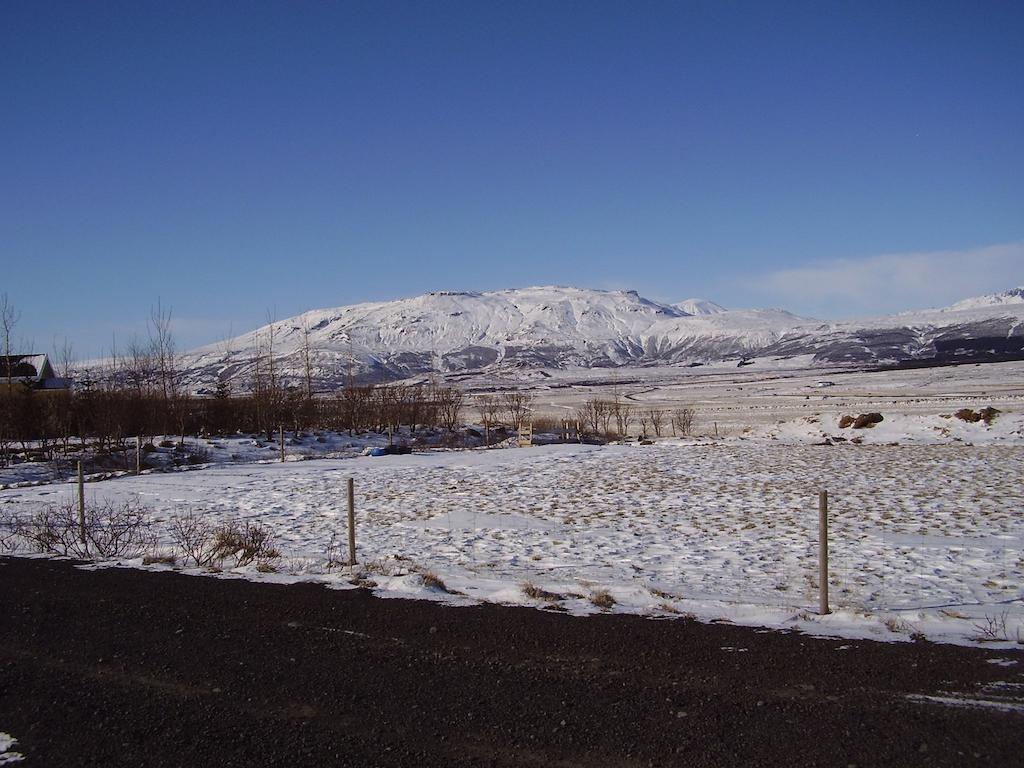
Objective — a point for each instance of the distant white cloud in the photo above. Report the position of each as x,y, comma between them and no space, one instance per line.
893,282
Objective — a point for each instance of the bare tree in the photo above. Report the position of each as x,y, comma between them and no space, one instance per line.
656,417
257,381
161,341
518,405
65,357
682,420
307,357
488,406
9,317
274,390
449,405
592,415
355,400
271,321
624,414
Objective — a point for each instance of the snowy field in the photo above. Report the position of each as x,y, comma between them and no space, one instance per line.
733,401
925,539
927,510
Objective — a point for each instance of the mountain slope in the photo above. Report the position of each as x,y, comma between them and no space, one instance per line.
1013,296
560,327
700,307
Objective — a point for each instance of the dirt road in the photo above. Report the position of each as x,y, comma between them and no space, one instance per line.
122,667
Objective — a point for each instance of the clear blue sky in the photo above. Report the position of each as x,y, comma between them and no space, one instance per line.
230,157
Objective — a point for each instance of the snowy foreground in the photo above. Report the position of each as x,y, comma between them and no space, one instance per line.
926,540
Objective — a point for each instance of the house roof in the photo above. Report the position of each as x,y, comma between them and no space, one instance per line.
24,366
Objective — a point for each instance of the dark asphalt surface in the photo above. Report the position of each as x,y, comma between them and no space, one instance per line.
124,667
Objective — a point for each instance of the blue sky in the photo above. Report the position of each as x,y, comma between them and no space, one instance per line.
233,158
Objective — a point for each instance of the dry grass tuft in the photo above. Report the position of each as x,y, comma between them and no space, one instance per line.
160,558
538,593
602,599
432,581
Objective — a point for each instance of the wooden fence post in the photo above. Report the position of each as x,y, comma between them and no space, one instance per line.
351,522
823,553
81,503
281,429
138,455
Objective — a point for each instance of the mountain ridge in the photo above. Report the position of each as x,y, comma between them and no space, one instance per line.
559,327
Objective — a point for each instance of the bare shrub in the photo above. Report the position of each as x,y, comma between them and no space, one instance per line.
110,530
9,531
207,545
243,543
193,536
993,629
333,554
602,599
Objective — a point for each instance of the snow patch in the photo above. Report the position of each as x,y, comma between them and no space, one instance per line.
7,754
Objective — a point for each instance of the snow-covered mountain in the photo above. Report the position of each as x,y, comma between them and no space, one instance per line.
560,327
700,307
1013,296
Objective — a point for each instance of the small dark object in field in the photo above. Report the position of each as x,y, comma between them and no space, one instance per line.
846,421
867,420
972,417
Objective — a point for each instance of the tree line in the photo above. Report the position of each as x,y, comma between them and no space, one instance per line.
137,392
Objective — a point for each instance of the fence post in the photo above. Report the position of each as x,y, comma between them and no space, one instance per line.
281,430
138,455
351,522
823,553
81,503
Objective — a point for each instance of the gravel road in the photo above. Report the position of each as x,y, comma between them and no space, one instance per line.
116,667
